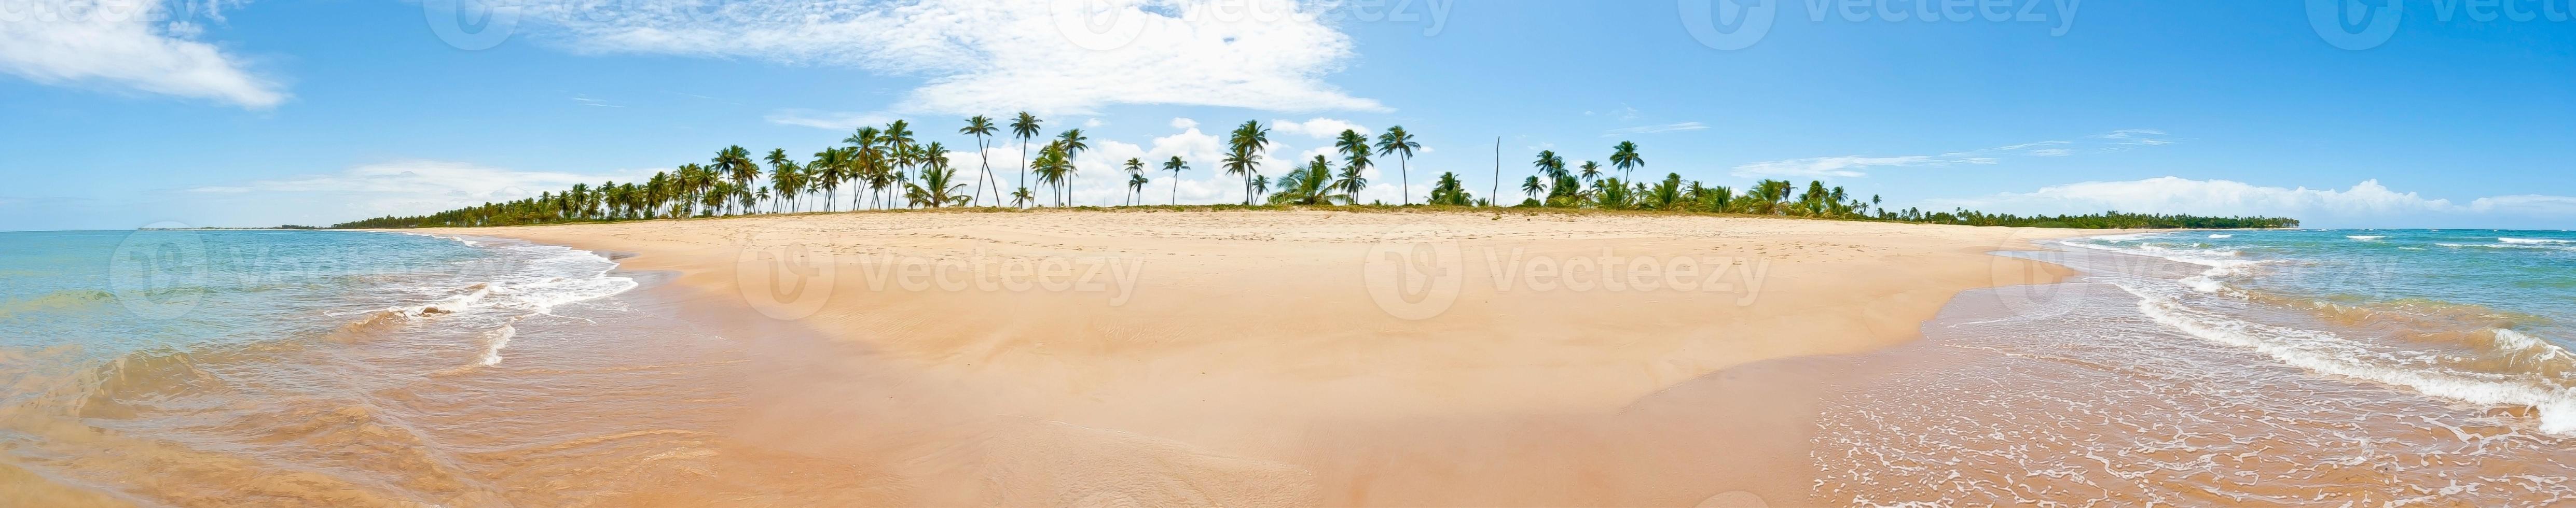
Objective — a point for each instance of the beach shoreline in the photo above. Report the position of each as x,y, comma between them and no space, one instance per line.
1243,357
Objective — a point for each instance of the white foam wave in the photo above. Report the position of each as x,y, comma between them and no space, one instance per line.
2366,238
2532,241
2505,246
2426,372
2222,263
494,340
2214,237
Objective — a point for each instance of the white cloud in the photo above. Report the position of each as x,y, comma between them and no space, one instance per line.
1319,128
2364,204
1656,129
127,46
1184,123
412,187
988,57
1093,123
1855,166
1846,166
827,119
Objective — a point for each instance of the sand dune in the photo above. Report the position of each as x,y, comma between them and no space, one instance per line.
1302,358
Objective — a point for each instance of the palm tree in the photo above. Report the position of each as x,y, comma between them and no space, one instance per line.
1135,175
1261,183
980,127
1243,157
1176,166
1022,197
1397,142
1449,191
865,158
1136,186
937,188
1311,185
1026,128
1591,171
1052,167
1549,164
784,177
1352,180
1532,187
1625,157
734,163
832,166
1072,143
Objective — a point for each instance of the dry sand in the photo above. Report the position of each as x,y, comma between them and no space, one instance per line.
1242,358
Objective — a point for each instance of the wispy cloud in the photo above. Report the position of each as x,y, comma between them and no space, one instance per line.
415,186
2363,204
1856,166
587,101
1655,129
134,47
839,121
980,56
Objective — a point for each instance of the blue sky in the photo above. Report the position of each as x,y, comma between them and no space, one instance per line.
312,112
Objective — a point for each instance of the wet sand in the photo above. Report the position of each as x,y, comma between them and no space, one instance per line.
1245,360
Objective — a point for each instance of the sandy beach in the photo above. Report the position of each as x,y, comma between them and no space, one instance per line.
1241,358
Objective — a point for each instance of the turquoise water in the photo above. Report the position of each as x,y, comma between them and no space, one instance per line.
307,367
115,292
2477,316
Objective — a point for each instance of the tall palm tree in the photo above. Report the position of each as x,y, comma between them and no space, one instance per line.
1532,187
981,127
1549,164
1051,167
734,163
1591,171
1176,166
832,166
1136,187
784,177
1625,157
865,158
1072,142
1399,143
1135,172
1026,128
1243,156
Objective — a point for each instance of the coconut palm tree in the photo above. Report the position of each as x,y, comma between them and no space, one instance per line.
1072,142
1310,185
1351,182
1532,187
1136,187
1243,156
1449,191
1022,197
1135,171
784,177
938,187
1591,171
1549,164
980,127
1051,167
1399,143
865,158
1026,128
832,166
1624,156
1176,166
734,163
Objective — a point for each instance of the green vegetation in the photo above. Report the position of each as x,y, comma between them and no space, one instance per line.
896,171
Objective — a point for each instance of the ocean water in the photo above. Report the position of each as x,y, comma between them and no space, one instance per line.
337,368
2315,367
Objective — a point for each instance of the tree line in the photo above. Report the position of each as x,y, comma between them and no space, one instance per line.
890,167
